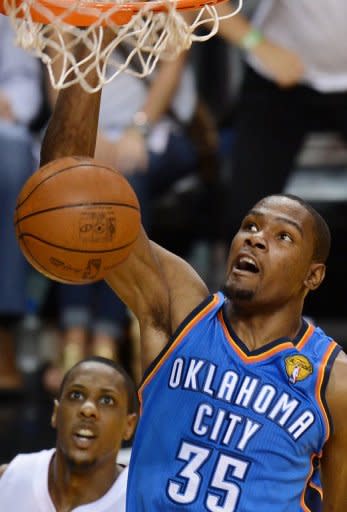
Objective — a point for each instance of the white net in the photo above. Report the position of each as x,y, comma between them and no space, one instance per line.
145,32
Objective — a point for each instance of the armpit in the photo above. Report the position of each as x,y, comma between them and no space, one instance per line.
160,320
337,389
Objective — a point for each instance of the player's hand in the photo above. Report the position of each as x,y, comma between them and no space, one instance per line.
284,66
131,152
6,111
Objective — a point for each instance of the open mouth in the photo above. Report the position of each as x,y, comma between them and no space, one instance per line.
84,437
247,264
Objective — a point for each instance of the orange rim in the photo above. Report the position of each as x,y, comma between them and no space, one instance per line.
84,16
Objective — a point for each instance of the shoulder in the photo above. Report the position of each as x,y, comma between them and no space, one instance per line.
26,463
337,386
123,472
334,462
337,391
119,489
3,468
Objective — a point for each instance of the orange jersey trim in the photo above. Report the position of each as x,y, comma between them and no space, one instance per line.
306,336
252,359
317,488
307,483
319,384
176,342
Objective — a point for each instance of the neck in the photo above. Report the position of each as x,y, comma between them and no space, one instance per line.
70,488
258,328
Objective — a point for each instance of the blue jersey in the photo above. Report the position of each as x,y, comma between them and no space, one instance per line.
225,429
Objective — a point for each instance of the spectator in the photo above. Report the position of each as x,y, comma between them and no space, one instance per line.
20,100
295,82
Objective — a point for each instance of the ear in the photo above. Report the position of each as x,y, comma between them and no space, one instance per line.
130,426
315,276
54,414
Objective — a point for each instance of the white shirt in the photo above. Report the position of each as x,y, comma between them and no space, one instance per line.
24,487
315,30
126,94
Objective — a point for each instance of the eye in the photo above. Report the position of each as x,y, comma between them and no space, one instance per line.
286,237
107,400
75,395
251,226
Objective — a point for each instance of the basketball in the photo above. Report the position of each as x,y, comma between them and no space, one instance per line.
76,219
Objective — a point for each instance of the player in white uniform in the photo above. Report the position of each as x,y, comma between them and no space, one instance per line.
95,412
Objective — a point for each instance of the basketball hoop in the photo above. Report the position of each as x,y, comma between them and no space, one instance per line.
148,30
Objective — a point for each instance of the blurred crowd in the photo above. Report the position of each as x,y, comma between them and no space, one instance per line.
259,109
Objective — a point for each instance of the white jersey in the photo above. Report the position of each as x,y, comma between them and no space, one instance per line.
315,30
24,487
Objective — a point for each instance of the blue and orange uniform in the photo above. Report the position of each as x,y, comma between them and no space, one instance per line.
225,429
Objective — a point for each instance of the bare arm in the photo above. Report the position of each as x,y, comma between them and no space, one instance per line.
283,65
160,91
334,462
130,151
3,468
6,111
160,288
234,28
73,125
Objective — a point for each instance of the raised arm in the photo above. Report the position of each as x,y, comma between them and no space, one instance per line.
334,461
283,65
160,288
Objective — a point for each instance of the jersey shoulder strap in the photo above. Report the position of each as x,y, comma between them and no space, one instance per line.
322,350
207,308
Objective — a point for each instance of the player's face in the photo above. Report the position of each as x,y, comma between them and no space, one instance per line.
270,259
92,417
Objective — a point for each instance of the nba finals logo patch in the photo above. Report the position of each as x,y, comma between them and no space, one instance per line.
298,368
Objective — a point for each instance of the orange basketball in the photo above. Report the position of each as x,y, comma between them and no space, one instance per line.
76,219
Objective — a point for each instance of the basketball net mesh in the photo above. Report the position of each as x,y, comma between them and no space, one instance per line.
146,34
